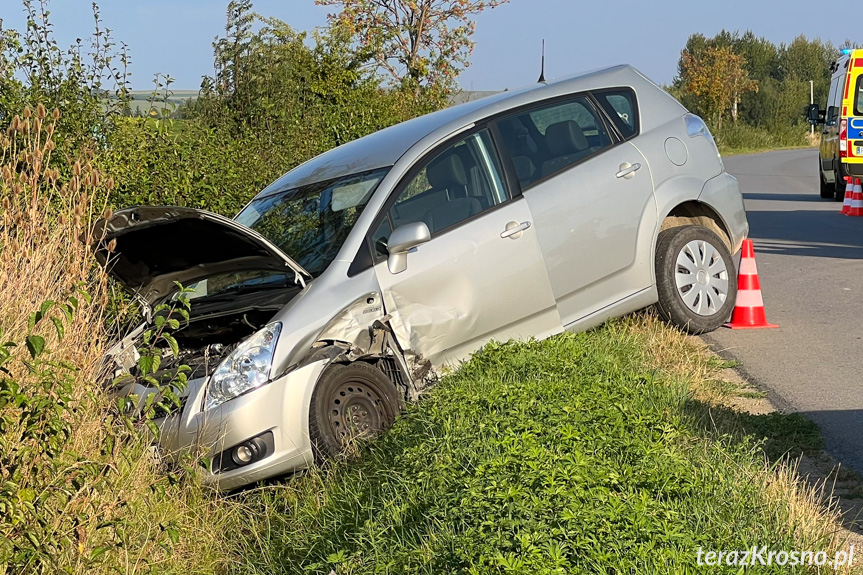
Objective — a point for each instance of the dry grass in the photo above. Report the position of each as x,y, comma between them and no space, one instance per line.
808,507
84,507
40,257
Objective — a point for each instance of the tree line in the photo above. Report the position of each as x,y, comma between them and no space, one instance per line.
745,79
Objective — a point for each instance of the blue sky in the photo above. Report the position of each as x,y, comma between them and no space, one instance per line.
174,36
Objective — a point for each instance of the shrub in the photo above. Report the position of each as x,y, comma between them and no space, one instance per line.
78,491
743,137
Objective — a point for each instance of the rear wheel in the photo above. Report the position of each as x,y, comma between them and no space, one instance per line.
695,279
350,402
840,184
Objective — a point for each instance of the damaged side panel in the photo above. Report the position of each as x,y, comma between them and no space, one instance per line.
363,332
469,285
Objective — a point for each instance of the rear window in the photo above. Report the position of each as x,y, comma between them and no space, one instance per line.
621,106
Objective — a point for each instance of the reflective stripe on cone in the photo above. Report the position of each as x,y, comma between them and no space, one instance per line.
749,306
849,193
856,207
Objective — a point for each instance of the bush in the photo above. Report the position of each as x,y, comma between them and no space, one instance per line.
78,491
740,137
276,103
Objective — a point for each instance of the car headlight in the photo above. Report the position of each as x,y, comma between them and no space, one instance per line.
246,368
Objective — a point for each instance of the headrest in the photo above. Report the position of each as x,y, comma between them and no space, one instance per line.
565,138
446,171
524,168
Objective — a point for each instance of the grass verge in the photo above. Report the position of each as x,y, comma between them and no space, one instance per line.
582,453
741,138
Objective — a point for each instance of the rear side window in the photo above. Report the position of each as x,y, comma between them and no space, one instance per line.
546,140
622,108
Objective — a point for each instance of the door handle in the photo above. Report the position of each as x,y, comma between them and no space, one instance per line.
514,229
628,170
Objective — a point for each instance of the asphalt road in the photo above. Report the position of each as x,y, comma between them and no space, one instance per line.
810,263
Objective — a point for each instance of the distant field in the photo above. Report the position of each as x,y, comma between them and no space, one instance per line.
141,99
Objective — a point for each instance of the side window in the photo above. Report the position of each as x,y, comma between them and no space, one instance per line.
840,91
622,108
546,140
831,97
460,182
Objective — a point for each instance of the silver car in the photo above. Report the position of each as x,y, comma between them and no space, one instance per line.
341,290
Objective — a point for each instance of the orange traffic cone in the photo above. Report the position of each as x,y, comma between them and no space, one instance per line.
849,192
856,208
749,307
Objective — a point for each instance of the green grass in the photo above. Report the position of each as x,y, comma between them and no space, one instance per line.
572,455
744,139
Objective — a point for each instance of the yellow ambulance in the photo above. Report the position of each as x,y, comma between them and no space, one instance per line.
841,151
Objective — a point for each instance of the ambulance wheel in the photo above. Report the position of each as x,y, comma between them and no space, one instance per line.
827,191
840,184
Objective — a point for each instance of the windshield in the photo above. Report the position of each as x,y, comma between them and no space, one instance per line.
237,282
310,223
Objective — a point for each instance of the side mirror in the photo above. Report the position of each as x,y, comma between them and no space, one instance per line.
402,240
814,114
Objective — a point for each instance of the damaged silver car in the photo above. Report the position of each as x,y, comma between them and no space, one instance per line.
341,290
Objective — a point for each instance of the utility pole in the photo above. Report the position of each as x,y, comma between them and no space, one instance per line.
811,101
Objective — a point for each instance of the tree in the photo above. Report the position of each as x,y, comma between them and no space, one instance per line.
419,43
804,60
718,75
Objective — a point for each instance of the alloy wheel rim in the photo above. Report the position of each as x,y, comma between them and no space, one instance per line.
701,276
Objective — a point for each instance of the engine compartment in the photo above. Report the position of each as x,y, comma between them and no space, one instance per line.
216,326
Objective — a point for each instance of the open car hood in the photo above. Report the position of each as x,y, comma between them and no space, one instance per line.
157,246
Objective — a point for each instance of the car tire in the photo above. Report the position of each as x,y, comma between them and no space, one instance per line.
359,389
828,192
708,279
839,184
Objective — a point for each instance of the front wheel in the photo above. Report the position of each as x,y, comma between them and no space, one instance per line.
695,278
350,402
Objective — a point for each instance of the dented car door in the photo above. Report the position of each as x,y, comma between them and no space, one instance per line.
481,275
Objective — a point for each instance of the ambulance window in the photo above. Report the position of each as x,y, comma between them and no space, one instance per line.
834,99
858,97
833,85
840,92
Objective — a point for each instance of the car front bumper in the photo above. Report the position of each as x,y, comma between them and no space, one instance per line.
280,407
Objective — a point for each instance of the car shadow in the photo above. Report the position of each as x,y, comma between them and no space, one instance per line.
787,198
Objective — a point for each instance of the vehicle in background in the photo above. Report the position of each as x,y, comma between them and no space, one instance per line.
840,153
341,289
